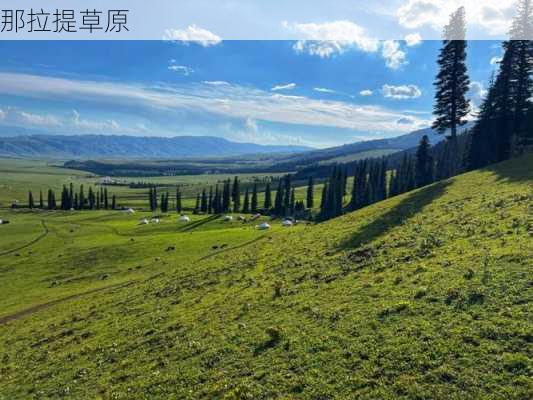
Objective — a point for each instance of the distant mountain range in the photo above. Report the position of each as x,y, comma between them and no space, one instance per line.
132,147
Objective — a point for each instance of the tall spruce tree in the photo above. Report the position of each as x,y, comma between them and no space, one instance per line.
278,200
267,205
253,204
310,193
30,200
41,200
114,202
203,202
452,83
210,201
246,203
236,194
424,163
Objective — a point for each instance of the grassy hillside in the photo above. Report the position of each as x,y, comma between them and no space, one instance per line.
425,295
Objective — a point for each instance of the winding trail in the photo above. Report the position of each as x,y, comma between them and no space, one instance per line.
32,310
30,243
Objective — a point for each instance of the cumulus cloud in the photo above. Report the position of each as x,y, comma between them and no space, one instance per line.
401,92
392,54
288,86
476,93
38,119
366,92
334,38
92,125
181,69
324,90
491,16
413,39
217,101
193,34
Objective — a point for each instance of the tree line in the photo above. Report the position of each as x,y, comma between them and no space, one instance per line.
72,199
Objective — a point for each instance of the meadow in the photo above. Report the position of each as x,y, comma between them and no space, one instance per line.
424,295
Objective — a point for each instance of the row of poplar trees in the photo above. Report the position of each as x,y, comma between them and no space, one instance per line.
77,200
228,197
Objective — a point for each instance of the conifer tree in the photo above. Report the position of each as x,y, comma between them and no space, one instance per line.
41,200
203,202
178,200
114,202
30,200
253,205
246,204
197,206
268,198
216,201
292,205
236,194
278,201
287,195
90,198
81,199
106,199
310,193
424,163
452,83
210,201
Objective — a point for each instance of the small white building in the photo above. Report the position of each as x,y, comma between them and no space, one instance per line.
144,221
184,218
129,211
228,218
241,218
1,222
155,220
287,222
264,226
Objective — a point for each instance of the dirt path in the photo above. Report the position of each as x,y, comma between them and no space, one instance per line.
32,242
38,307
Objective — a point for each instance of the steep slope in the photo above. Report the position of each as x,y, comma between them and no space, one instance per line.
425,295
110,146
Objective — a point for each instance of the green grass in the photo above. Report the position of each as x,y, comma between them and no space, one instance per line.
425,295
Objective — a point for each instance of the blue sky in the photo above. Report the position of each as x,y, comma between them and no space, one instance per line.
317,93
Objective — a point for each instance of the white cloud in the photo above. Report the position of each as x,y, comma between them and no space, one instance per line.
413,39
216,83
251,125
495,60
288,86
181,69
3,114
327,39
225,102
492,16
38,120
391,52
477,93
334,38
366,92
401,92
193,34
324,90
110,126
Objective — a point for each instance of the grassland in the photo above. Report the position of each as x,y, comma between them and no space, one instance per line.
18,176
425,295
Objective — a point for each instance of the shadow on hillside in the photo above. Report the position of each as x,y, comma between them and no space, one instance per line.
404,210
519,169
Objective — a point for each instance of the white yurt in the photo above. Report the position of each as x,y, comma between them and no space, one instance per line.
1,222
130,211
184,218
287,222
241,218
228,218
263,226
155,220
144,221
